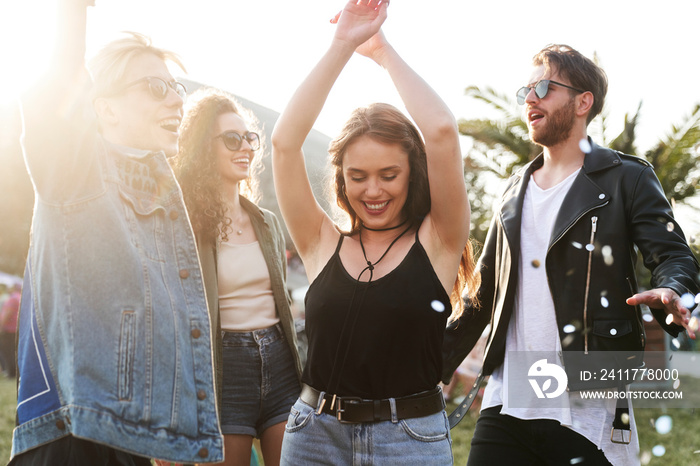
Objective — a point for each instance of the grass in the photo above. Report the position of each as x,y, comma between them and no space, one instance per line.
681,443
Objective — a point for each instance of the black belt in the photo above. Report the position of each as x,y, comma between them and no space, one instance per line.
354,409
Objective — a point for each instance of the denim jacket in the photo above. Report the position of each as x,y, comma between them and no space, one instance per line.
115,341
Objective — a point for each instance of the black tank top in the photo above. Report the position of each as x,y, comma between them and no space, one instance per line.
396,343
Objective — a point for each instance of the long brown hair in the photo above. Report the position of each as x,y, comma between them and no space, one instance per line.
195,164
386,124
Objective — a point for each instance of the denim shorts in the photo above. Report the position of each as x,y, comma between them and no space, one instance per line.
311,438
260,382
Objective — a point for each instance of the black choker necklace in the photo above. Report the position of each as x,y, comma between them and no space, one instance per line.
362,225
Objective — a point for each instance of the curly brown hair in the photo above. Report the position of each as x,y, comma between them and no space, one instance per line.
386,124
195,163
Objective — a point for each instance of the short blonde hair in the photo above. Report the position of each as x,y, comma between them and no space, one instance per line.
108,67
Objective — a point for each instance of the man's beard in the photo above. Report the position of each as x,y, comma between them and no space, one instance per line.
557,128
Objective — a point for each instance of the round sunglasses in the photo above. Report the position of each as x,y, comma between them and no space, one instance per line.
541,88
158,87
233,140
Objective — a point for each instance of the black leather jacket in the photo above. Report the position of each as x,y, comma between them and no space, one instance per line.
615,203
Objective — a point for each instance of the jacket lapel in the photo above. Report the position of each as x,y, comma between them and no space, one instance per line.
584,194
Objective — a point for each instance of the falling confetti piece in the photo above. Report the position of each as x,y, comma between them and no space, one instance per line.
613,331
535,263
676,384
659,450
648,317
566,342
694,324
576,244
585,146
590,247
669,319
688,300
645,458
676,343
569,328
578,460
604,301
663,425
437,306
670,226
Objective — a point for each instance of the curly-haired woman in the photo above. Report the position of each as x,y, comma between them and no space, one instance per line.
242,252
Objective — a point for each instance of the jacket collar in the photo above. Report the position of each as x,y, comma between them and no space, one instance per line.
583,196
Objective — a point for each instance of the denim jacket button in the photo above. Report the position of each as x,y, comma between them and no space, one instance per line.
201,395
196,333
184,273
174,215
203,453
60,424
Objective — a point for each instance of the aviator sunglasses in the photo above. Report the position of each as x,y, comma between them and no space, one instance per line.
157,87
541,88
233,140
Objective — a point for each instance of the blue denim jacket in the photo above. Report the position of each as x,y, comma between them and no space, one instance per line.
114,332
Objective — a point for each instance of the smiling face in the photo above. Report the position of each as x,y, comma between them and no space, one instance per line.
376,179
135,118
233,166
551,119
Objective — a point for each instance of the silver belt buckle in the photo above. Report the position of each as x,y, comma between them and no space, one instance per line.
622,440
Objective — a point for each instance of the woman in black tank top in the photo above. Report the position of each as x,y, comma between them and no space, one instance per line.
378,302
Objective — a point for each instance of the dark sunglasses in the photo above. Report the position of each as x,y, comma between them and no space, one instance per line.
541,88
157,87
233,140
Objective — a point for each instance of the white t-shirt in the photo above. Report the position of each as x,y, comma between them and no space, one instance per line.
533,327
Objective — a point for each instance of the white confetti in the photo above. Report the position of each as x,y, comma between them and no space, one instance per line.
590,247
688,300
578,245
604,301
659,450
676,343
670,226
648,317
613,331
663,424
585,146
669,319
569,328
437,306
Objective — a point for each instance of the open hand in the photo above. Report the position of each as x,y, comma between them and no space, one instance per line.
359,21
669,301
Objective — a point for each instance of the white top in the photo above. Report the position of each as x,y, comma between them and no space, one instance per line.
534,328
245,291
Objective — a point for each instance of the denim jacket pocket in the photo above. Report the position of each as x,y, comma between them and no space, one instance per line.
145,219
127,346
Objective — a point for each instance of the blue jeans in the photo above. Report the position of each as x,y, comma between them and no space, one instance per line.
260,381
311,438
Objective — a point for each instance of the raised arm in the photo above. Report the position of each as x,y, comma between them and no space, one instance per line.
54,110
449,214
308,225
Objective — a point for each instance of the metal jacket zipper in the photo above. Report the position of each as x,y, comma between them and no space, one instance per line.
590,247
